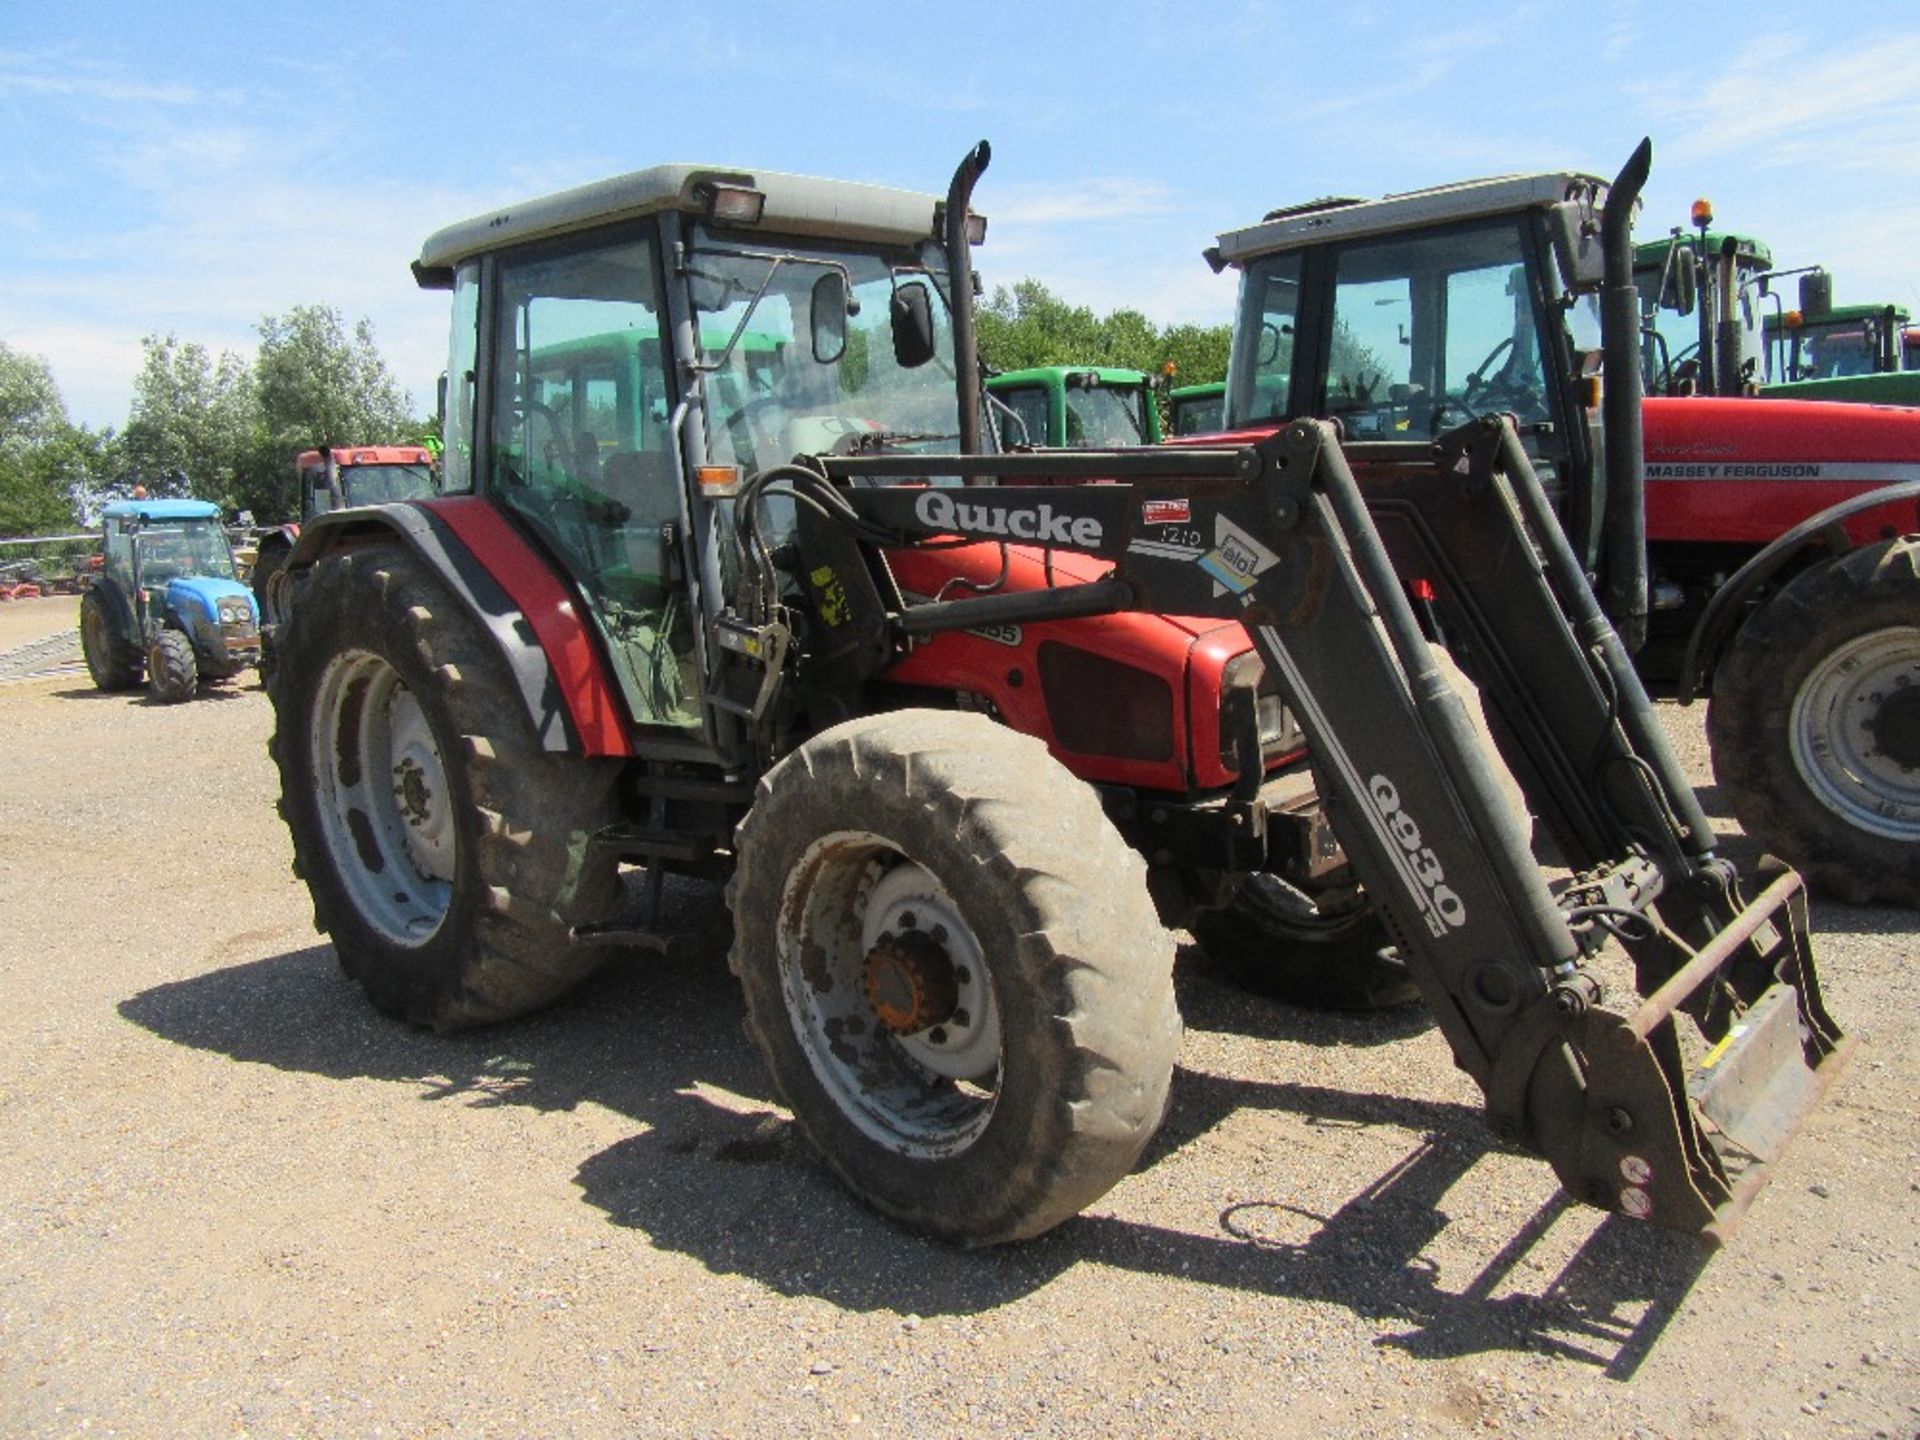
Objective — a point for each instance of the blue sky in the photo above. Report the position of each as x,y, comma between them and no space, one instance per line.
188,168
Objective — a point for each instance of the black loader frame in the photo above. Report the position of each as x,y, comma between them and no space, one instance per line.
1325,577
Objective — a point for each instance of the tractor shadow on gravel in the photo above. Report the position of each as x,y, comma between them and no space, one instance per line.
717,1172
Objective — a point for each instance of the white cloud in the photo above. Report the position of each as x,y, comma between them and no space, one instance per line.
1782,102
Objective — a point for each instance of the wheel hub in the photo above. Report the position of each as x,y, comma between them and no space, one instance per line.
411,791
1896,726
910,981
383,801
1855,732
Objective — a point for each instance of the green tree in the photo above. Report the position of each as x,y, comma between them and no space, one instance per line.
197,415
321,385
44,457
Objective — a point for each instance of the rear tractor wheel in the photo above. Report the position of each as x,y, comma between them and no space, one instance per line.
954,971
107,637
448,855
1815,724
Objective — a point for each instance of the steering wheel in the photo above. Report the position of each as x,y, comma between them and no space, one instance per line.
1477,376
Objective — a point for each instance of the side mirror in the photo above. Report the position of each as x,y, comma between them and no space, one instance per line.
1682,291
1269,344
911,311
1576,246
827,319
1816,294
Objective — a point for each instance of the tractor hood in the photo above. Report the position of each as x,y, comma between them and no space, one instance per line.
205,596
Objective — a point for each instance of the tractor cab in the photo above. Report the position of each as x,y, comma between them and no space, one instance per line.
1198,409
1702,302
344,476
1406,317
1836,342
1089,407
649,342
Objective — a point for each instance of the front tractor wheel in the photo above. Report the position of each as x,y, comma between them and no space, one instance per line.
954,971
1331,950
173,674
1815,724
448,856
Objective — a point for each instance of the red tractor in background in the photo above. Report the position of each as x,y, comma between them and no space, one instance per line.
968,732
336,478
1774,564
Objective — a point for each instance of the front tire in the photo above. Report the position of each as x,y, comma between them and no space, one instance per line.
173,674
1327,951
449,857
955,973
1814,724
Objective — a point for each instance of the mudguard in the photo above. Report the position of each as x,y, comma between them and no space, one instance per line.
1826,531
527,610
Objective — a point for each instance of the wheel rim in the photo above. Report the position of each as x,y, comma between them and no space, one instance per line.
1854,732
890,995
384,806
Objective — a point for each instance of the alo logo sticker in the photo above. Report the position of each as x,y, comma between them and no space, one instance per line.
1237,559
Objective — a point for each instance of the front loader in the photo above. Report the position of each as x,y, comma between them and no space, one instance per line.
967,732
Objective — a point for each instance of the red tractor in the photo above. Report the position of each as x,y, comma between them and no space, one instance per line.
338,477
1774,563
729,581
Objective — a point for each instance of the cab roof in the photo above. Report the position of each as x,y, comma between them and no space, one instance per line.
1040,374
1340,218
1649,253
162,510
1840,315
794,205
368,455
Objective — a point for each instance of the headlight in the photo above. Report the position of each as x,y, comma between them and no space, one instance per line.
1279,731
235,612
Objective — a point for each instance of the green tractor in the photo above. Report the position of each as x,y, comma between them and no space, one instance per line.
1198,409
1713,324
1088,407
168,603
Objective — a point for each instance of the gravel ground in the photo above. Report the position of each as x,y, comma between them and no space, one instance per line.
236,1201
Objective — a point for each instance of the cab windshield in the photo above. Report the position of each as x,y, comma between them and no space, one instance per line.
1100,415
177,549
777,394
1426,333
383,484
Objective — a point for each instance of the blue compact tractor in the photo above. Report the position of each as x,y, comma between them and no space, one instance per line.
168,602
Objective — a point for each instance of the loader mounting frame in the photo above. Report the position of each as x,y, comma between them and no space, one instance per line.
1323,570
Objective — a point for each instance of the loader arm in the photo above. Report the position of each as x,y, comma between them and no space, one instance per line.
1281,537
